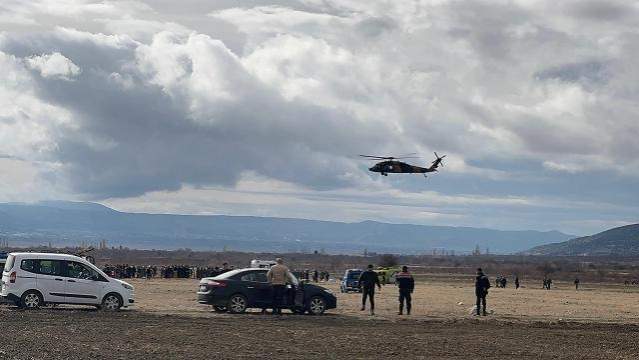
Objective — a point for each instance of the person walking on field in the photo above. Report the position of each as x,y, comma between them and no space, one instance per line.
406,285
482,284
516,282
576,283
278,276
367,281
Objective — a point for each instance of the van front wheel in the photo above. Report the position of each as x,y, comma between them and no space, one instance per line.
111,302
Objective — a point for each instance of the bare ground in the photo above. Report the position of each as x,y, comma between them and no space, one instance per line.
600,322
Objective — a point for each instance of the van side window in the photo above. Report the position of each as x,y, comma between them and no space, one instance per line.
50,267
30,265
80,271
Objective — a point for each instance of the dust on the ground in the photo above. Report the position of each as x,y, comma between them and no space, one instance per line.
598,322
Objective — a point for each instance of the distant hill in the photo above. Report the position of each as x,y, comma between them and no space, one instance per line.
621,241
69,223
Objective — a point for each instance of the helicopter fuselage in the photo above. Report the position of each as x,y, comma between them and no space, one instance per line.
393,166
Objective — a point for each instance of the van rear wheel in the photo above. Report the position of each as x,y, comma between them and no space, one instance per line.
31,300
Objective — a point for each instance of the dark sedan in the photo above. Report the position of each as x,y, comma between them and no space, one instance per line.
238,290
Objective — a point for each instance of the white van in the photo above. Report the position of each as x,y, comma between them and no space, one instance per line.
31,280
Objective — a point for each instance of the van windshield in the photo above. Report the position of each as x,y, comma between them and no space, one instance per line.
354,274
9,265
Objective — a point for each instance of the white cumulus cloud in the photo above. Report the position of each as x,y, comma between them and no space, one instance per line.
54,65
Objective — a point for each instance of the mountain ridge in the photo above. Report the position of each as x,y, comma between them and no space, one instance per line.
619,241
69,223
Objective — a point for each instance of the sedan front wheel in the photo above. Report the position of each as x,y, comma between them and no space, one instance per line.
317,305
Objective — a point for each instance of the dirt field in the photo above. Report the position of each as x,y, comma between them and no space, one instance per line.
598,322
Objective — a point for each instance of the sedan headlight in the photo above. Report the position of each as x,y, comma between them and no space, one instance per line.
127,286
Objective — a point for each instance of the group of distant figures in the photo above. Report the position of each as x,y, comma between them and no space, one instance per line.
631,282
502,281
314,275
126,271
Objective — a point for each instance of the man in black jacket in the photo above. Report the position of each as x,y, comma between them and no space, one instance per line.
367,281
482,284
406,285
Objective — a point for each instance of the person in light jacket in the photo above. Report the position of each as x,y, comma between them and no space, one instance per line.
278,276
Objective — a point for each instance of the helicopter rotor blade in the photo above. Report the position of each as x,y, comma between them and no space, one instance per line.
378,157
406,155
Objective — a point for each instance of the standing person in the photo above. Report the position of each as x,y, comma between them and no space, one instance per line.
367,281
576,283
482,284
406,285
516,282
277,276
315,275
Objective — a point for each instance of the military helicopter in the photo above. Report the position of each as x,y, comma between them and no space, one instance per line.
391,165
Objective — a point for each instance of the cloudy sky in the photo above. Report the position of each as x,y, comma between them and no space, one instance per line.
250,107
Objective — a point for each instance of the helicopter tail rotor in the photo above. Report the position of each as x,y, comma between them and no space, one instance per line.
437,162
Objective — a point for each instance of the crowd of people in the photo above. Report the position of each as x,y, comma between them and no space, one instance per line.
314,275
126,271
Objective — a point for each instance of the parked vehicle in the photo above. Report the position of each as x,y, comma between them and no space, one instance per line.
387,274
262,264
241,289
31,280
3,260
350,281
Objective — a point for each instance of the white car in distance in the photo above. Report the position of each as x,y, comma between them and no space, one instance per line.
31,280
